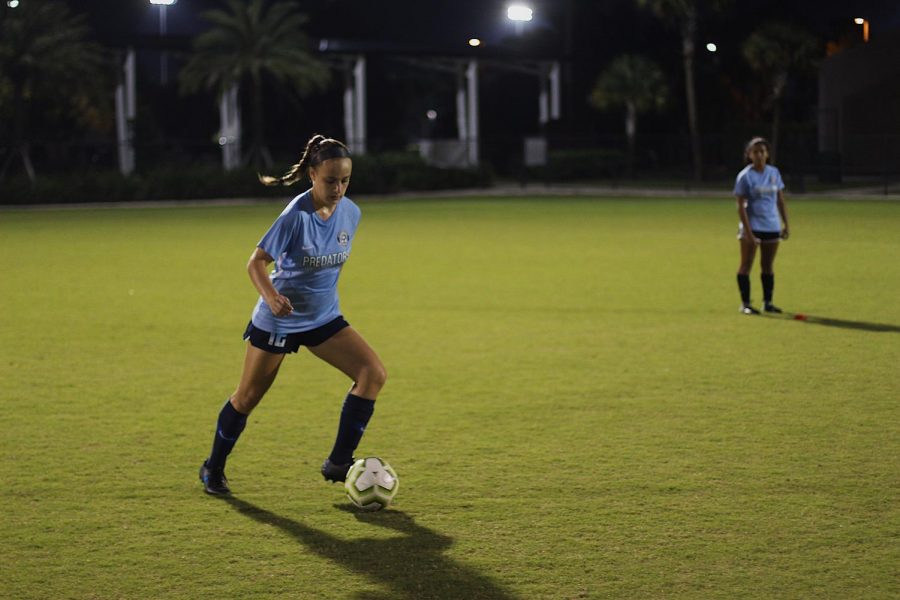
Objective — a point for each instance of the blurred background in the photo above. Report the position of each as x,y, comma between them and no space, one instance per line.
165,99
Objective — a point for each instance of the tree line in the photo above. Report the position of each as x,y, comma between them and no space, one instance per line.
53,75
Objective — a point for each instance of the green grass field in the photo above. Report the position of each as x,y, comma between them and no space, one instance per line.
574,405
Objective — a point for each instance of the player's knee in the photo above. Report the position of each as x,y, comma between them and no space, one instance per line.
380,375
374,376
245,401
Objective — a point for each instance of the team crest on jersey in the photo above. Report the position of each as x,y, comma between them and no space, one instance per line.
343,238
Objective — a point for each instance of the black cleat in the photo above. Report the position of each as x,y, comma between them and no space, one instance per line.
771,308
214,481
336,473
749,310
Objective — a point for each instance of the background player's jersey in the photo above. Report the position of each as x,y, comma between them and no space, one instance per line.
309,254
761,193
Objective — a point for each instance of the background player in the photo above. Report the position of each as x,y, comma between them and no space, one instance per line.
764,222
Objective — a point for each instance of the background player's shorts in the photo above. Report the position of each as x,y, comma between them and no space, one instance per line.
763,236
284,343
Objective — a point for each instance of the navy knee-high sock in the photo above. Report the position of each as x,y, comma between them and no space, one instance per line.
355,416
228,429
744,286
768,285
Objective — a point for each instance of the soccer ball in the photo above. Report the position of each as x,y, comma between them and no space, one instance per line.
371,483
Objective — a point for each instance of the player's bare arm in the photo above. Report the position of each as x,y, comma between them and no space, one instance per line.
258,268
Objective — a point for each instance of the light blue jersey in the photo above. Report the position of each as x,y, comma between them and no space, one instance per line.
309,254
761,193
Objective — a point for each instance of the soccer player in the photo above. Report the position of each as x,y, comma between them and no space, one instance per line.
764,221
298,306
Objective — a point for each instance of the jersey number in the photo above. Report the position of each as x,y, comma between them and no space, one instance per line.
277,339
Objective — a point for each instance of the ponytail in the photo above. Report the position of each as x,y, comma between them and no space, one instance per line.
318,149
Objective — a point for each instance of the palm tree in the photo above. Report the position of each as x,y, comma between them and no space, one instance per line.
45,61
252,42
684,14
774,51
637,84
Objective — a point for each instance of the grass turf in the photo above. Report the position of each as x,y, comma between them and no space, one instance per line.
575,407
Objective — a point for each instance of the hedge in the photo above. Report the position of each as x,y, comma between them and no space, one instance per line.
372,174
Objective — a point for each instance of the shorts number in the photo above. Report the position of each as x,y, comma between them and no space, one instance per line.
277,339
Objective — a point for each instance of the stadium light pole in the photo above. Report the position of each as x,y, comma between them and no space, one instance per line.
865,26
163,57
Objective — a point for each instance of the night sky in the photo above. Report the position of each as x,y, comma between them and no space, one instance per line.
586,34
446,23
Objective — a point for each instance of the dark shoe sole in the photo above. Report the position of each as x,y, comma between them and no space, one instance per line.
335,473
213,491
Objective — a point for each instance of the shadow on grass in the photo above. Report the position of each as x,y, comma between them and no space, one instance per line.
814,320
411,565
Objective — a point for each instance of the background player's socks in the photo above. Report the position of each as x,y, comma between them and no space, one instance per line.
744,286
229,427
768,285
355,416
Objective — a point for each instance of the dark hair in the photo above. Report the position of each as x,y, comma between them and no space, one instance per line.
318,149
753,142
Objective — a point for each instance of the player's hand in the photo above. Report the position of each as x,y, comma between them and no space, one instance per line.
750,238
280,305
785,233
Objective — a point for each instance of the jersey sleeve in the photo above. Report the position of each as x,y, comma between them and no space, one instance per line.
280,235
741,186
356,217
778,181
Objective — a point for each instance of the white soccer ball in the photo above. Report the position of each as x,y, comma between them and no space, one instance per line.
371,483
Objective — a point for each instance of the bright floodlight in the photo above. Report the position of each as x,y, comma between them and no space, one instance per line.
13,3
164,2
474,42
711,47
518,12
865,26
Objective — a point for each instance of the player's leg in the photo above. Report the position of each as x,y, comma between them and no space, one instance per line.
348,352
768,250
260,369
748,253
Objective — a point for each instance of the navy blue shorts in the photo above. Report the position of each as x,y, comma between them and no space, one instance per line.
284,343
762,236
767,236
